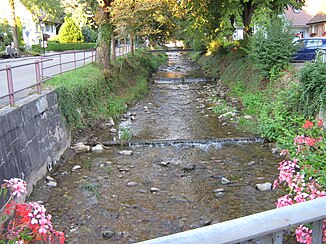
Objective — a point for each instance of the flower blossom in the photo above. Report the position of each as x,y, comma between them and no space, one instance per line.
320,122
16,186
303,234
308,124
284,201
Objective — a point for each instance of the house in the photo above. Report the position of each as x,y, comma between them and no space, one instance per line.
32,28
317,25
299,18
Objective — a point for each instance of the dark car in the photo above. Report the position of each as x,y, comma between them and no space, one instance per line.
307,48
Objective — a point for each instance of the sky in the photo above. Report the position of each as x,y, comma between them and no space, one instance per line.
315,6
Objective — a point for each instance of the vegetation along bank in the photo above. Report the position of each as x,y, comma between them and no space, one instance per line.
92,93
282,103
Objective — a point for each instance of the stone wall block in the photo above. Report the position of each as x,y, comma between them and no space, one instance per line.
33,136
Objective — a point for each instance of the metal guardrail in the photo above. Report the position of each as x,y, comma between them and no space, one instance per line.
269,224
40,68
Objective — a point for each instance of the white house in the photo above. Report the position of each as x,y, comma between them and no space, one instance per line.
32,29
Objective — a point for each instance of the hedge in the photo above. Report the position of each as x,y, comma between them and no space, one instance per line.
64,47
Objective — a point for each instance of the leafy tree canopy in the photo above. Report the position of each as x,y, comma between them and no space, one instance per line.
44,10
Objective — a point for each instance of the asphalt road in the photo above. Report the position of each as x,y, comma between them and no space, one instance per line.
23,69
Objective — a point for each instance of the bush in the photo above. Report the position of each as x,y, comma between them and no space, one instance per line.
271,48
313,90
5,28
53,39
89,34
280,115
70,32
58,47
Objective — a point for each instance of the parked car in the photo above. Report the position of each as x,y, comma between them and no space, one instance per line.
307,48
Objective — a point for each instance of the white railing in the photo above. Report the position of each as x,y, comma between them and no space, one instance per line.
267,226
321,55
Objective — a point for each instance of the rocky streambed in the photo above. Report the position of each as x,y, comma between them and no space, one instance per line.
133,193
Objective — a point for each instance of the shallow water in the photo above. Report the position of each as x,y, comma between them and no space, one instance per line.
113,194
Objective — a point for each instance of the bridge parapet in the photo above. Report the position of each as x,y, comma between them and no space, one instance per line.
265,227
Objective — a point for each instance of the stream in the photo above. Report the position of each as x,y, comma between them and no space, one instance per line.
134,193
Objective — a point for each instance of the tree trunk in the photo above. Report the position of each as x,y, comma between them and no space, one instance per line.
113,54
103,50
247,13
14,25
132,48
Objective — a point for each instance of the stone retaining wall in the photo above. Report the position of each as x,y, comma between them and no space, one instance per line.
33,136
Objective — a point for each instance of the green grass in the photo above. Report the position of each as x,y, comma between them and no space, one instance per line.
79,76
93,188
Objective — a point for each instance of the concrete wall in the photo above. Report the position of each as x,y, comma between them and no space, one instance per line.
33,136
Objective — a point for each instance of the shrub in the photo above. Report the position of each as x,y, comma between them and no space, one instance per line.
302,172
6,28
271,48
313,89
90,35
280,115
58,47
53,39
70,32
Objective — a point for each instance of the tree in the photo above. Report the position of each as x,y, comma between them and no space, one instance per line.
132,17
40,9
14,25
6,30
143,18
105,33
207,20
44,10
248,8
70,32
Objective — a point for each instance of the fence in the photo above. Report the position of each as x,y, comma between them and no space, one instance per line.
44,68
267,226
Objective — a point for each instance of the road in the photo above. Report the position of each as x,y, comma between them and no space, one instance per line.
23,69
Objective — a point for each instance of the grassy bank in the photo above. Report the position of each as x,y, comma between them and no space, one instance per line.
273,105
89,94
279,108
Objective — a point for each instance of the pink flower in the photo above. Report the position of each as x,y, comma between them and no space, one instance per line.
284,153
320,122
310,141
303,234
45,224
299,140
16,186
284,201
308,124
302,197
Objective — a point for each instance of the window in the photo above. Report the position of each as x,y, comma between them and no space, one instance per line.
47,27
314,43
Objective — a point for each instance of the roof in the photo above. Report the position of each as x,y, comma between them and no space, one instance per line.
318,18
299,18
